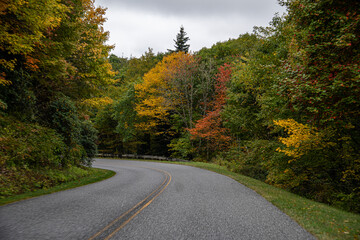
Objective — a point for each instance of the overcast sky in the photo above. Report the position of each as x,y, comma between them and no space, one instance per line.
136,25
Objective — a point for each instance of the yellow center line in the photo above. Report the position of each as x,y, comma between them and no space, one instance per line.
134,215
168,178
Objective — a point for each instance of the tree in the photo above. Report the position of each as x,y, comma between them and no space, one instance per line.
321,74
53,56
23,25
182,92
116,118
210,127
180,42
321,81
169,86
74,57
137,67
119,65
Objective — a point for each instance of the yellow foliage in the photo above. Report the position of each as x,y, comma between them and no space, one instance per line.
97,102
301,139
153,92
3,81
23,25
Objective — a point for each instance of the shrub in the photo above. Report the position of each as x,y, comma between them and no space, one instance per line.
253,158
61,115
88,136
78,136
182,147
29,145
16,180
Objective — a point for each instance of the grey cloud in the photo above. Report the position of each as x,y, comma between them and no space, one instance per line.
197,7
135,25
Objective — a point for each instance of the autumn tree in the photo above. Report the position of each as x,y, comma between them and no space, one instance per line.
176,91
210,128
321,72
169,86
79,66
117,121
23,25
321,82
53,57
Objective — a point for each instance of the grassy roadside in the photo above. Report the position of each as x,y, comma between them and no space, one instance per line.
95,175
321,220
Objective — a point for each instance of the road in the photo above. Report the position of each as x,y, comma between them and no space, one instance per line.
146,200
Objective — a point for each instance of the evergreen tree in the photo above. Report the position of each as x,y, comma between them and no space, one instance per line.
180,42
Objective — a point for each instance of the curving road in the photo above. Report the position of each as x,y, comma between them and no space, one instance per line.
146,200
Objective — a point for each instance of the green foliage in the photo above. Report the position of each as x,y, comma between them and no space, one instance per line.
227,51
116,122
88,137
52,57
321,75
119,65
19,97
137,67
14,181
108,140
182,147
23,25
62,116
29,145
320,82
35,157
79,136
320,173
125,114
252,158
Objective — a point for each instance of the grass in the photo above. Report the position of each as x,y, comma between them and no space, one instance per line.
323,221
94,175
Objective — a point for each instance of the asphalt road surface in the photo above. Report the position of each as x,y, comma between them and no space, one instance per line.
146,200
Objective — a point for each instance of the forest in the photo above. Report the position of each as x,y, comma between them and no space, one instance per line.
280,104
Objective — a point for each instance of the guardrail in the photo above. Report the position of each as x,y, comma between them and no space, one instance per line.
135,156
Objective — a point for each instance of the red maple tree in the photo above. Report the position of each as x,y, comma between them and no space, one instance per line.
210,127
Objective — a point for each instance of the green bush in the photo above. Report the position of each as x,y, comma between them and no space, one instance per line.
88,137
182,147
62,116
15,181
29,145
253,158
79,137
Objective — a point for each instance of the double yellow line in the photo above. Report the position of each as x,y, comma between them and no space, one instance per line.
135,210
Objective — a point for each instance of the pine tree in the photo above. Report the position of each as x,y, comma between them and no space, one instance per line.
180,42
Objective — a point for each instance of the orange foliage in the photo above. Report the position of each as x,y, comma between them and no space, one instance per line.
210,127
31,63
157,94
